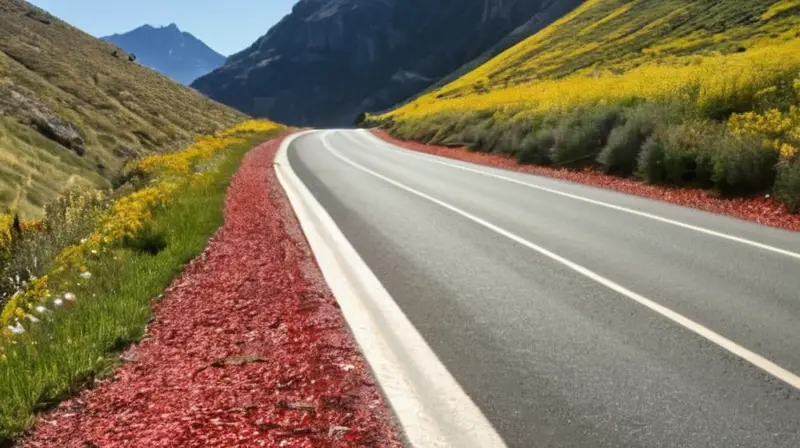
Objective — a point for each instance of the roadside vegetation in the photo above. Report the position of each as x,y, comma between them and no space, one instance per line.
75,109
77,286
676,92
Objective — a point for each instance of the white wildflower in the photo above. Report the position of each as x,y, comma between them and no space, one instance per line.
16,329
32,318
41,309
86,275
58,302
69,296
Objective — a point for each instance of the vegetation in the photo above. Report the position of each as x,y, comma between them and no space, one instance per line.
679,92
89,293
56,79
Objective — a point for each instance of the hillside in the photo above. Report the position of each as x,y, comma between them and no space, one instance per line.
170,51
73,109
679,79
330,60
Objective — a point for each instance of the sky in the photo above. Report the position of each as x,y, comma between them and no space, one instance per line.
227,26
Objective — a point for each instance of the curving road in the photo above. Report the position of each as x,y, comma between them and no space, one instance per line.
574,316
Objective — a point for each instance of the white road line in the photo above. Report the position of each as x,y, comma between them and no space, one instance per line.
749,356
431,407
673,222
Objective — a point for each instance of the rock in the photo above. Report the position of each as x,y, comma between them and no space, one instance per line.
126,152
47,122
60,130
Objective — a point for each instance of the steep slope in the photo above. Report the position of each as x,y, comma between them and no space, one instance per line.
611,43
677,92
73,108
549,13
329,60
168,50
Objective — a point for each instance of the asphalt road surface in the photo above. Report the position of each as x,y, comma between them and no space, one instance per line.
570,315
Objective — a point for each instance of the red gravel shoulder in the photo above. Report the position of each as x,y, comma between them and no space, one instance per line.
762,210
248,349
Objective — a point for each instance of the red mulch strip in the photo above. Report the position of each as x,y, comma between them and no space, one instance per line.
248,349
762,210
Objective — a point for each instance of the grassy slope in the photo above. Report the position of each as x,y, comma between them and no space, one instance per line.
115,103
605,49
677,92
54,358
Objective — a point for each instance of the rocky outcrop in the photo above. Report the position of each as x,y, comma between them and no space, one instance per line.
329,60
39,116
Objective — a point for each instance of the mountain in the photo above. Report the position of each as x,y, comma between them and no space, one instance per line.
170,51
329,60
74,108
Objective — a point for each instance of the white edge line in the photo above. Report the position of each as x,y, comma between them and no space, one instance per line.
432,409
673,222
732,347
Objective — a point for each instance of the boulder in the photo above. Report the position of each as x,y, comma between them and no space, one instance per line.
46,121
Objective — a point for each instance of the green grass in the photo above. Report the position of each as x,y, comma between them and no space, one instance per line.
58,357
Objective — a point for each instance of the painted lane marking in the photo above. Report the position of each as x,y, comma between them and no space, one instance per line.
732,347
431,407
673,222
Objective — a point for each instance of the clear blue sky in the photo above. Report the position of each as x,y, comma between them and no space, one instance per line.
225,25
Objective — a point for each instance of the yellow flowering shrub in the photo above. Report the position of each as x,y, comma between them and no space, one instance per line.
125,218
204,148
24,301
780,129
706,81
167,175
249,127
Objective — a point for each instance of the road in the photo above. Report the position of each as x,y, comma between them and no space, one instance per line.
574,316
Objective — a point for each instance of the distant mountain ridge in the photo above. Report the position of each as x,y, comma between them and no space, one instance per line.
329,60
170,51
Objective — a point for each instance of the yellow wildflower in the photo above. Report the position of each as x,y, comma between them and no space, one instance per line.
788,151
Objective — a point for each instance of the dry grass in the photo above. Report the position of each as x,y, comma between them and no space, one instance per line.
120,107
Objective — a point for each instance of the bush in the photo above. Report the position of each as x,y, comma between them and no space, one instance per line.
535,147
743,165
580,136
787,185
67,220
650,164
621,153
680,155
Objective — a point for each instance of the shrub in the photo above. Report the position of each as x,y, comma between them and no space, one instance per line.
67,220
650,164
535,147
580,136
787,185
743,165
680,155
621,153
